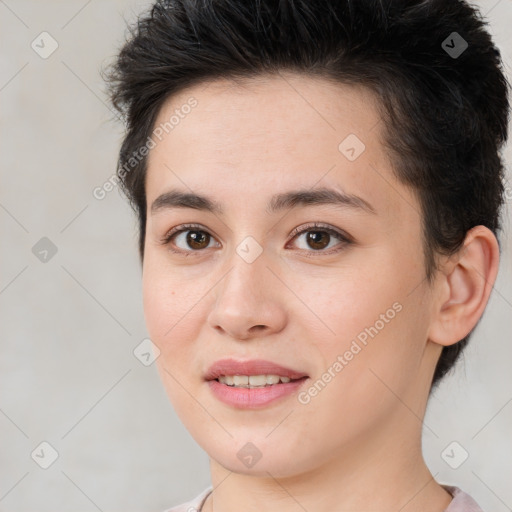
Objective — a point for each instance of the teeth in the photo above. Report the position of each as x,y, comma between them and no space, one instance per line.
258,380
252,381
240,380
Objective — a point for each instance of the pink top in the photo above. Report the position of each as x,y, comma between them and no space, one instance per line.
461,502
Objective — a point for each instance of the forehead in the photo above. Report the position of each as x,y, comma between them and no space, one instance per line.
265,135
284,109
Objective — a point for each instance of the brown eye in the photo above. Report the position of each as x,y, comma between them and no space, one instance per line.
318,239
198,239
188,239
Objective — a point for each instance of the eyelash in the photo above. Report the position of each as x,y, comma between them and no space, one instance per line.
315,226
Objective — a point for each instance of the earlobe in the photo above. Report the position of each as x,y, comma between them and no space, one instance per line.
465,287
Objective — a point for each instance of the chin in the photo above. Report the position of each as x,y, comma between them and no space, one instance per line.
256,458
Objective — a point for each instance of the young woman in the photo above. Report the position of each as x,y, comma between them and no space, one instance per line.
318,187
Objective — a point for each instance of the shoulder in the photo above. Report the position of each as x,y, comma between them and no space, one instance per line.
193,505
461,502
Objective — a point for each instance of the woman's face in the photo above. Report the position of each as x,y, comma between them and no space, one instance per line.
344,303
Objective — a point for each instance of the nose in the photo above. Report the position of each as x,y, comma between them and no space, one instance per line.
249,300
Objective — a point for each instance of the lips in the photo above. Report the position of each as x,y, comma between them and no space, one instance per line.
250,367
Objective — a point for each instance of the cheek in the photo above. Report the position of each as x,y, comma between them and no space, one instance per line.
344,301
169,317
168,303
375,324
358,383
175,307
158,302
167,293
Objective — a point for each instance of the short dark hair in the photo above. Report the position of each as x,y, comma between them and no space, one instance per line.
445,112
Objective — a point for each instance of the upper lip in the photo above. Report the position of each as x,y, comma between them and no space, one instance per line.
250,367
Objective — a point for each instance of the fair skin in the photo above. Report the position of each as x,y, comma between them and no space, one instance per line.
356,445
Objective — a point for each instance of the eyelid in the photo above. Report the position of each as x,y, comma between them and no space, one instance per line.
322,227
181,227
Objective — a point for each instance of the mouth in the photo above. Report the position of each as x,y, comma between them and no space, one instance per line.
252,384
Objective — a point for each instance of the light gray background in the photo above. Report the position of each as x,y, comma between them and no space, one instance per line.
68,375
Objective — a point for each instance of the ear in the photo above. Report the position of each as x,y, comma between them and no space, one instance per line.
464,286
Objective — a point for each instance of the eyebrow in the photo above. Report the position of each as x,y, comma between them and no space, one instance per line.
278,202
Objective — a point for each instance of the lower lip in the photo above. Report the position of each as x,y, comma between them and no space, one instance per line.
253,398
